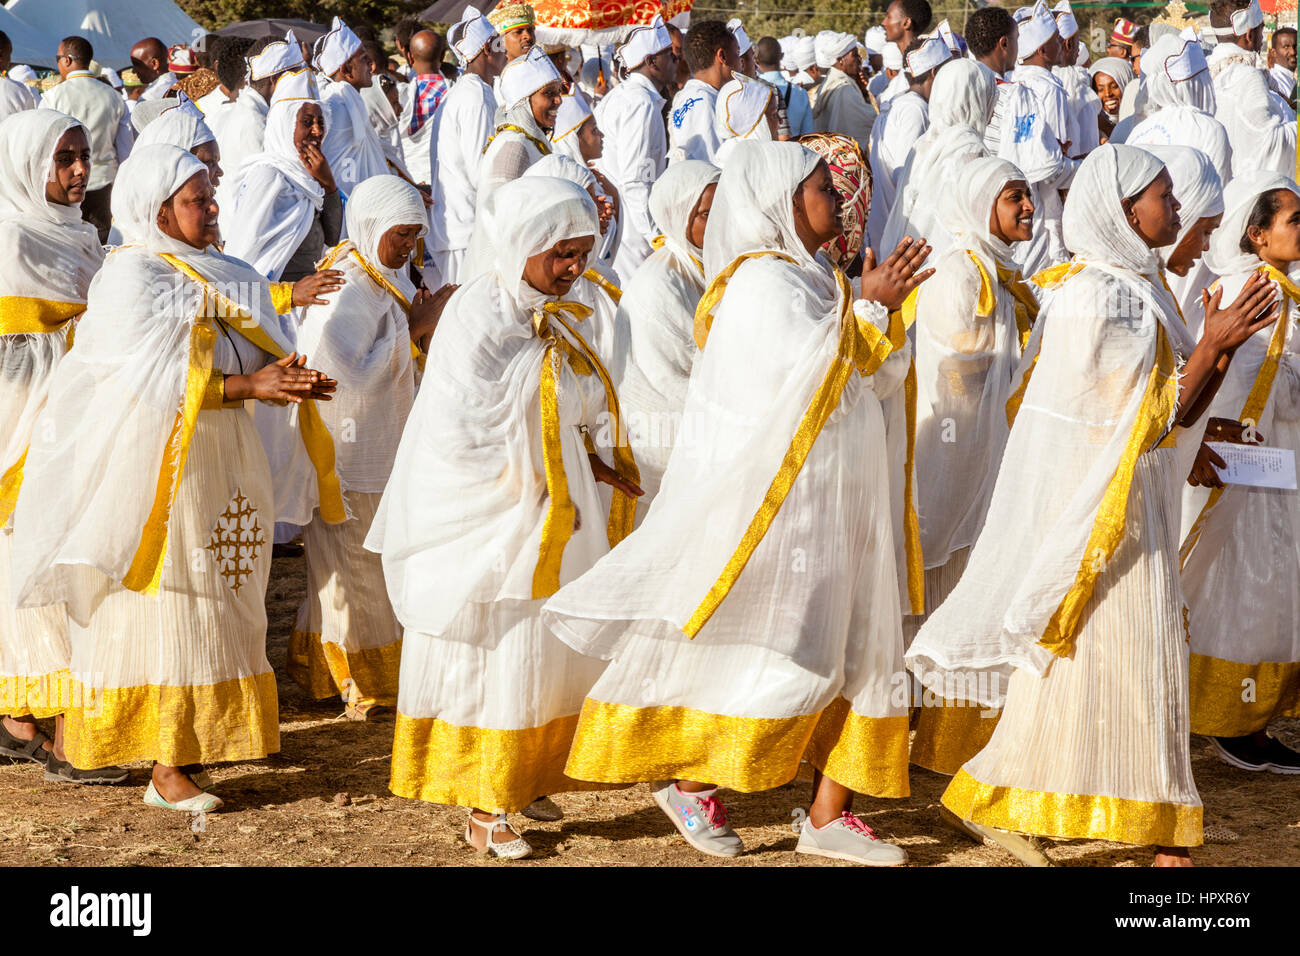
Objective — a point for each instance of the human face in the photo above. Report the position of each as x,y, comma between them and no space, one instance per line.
1284,51
1279,244
310,128
1009,49
71,169
661,68
1153,213
1121,51
209,154
397,244
749,63
1192,245
896,24
519,41
1051,50
554,271
591,141
64,63
700,216
1109,92
356,71
850,63
1012,217
818,209
190,215
545,104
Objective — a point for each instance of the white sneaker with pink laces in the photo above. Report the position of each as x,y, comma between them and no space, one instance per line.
701,818
848,838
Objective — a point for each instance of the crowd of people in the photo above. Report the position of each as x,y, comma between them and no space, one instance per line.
677,412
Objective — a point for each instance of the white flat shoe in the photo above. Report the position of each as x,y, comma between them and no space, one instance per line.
515,849
543,809
200,803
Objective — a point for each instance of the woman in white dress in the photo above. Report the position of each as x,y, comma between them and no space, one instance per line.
752,621
148,510
972,322
491,506
577,136
656,319
530,89
347,640
1241,553
1070,612
50,256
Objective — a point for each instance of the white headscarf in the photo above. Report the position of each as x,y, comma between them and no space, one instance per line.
377,205
558,166
150,176
739,110
1225,257
1121,71
180,124
1196,187
1094,223
674,197
1165,80
275,197
27,142
969,206
753,208
574,110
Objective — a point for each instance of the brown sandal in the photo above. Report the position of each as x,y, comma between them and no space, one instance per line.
18,749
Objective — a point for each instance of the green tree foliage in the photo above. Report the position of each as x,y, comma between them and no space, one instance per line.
214,14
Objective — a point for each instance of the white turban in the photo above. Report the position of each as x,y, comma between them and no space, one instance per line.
644,42
739,109
1175,73
378,204
931,54
875,40
892,57
276,58
1037,29
148,178
1243,21
1066,24
804,53
1094,224
472,33
738,31
944,32
830,46
180,124
1225,257
23,73
1196,187
525,75
673,198
559,166
575,109
336,48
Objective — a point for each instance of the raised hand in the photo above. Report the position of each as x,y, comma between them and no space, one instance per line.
1254,308
317,165
892,281
310,289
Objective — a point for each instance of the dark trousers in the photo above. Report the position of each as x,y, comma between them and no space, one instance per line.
95,210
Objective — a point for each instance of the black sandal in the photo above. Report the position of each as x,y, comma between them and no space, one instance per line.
18,749
60,771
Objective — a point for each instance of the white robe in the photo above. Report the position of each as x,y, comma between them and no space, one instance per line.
1261,137
461,129
690,122
636,148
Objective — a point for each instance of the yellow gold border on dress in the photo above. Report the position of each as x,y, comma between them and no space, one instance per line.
866,754
949,733
611,290
28,315
618,743
282,297
911,523
46,696
557,527
320,667
236,719
495,770
1073,816
1152,421
1217,686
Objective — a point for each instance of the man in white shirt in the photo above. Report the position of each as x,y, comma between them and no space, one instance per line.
842,106
1262,134
712,53
1282,62
14,96
748,64
461,130
1084,105
636,141
1040,50
897,131
103,112
149,60
351,145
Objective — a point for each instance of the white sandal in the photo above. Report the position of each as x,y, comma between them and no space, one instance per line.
515,849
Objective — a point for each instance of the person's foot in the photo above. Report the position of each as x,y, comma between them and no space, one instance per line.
1244,753
23,740
701,819
543,809
60,771
495,836
173,784
848,838
199,775
1023,847
1281,758
199,803
1172,856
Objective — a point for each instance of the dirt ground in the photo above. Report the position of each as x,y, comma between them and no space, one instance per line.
324,800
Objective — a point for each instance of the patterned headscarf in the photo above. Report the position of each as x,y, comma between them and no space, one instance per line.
852,178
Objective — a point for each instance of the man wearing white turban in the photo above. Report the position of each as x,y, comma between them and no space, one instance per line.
711,53
157,537
636,147
50,256
351,144
842,105
1070,612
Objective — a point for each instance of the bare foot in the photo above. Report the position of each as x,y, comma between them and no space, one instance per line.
1172,856
172,784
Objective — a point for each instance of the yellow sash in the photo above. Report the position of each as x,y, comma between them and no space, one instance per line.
611,290
380,280
145,573
541,144
1259,394
557,528
862,347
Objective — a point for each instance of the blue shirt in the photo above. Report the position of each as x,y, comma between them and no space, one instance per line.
799,111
